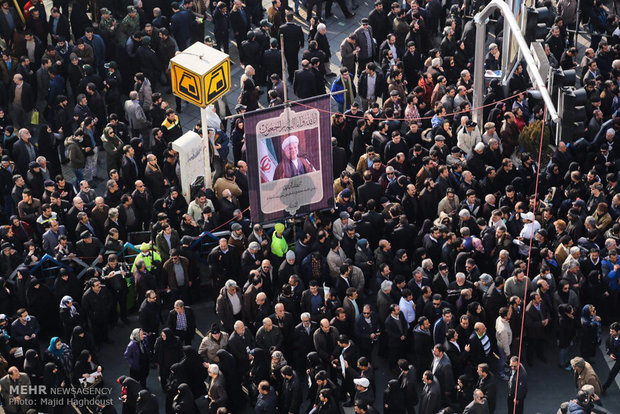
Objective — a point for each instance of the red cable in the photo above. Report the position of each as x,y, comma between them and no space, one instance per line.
223,224
529,256
415,119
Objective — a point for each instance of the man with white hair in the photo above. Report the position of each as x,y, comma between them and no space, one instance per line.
134,112
249,89
45,171
292,164
217,389
229,304
24,151
303,336
493,60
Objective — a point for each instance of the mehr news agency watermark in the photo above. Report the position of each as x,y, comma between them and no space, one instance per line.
59,396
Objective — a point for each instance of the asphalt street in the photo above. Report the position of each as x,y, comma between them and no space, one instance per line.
548,385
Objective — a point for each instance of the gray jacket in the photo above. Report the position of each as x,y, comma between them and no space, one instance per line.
135,115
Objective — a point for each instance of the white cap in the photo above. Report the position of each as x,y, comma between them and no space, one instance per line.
528,216
479,147
292,139
362,382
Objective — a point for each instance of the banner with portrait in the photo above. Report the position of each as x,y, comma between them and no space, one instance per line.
290,159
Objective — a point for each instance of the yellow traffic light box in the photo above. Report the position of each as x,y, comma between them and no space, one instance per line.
200,74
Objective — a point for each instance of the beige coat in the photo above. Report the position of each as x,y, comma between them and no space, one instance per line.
209,346
587,376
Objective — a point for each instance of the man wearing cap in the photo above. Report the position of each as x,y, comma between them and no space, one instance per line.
279,245
365,42
237,238
150,257
212,343
89,247
107,24
129,25
363,392
291,164
468,138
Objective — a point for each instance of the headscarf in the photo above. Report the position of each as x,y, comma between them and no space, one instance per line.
84,355
77,342
588,319
259,368
280,361
52,348
64,304
135,335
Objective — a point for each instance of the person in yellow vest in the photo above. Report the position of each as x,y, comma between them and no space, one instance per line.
279,246
149,256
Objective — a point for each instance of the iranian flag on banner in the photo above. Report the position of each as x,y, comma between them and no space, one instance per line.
268,162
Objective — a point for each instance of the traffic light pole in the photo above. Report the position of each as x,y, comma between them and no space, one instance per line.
532,68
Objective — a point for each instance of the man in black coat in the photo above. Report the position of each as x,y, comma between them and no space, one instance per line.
441,368
536,320
379,22
339,157
290,397
480,345
62,26
430,400
370,190
149,316
397,334
129,167
304,83
367,330
517,387
182,322
272,61
250,52
239,21
223,263
407,381
303,334
325,341
487,384
239,342
96,303
293,42
24,151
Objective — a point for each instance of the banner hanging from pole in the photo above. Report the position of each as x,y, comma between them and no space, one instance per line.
289,156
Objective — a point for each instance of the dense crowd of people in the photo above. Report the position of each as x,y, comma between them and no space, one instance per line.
450,246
